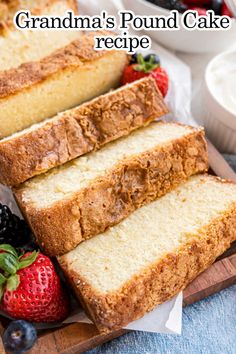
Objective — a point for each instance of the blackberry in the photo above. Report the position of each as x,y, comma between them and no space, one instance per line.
216,6
13,230
170,4
28,247
134,58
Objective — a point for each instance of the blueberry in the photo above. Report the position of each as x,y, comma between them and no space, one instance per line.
216,6
170,4
19,337
156,58
134,58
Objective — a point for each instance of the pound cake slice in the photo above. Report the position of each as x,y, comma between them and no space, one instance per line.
85,196
78,131
154,253
69,76
18,46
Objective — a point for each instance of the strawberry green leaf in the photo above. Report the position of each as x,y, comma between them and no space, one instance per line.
145,66
20,254
8,263
13,282
26,262
2,279
1,292
9,249
140,59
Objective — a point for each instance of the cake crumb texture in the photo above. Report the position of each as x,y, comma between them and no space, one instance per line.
154,253
18,47
68,77
87,195
79,130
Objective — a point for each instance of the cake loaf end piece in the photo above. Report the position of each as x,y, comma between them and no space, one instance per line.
69,76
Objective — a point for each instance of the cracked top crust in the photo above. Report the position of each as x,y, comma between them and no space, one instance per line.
114,190
79,130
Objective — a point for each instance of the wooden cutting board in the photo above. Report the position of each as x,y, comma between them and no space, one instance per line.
78,337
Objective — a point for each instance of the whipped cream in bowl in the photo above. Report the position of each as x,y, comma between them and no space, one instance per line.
219,101
221,79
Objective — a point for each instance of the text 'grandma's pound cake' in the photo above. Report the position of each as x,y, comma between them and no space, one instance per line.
79,130
18,46
85,196
69,76
154,253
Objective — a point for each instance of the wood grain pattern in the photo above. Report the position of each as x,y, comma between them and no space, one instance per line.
220,275
2,350
73,339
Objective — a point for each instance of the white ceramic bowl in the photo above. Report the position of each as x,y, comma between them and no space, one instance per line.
183,40
218,118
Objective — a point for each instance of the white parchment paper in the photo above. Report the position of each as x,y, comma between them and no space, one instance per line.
166,318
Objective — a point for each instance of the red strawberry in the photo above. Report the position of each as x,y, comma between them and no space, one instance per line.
31,288
162,80
226,11
200,10
130,74
144,68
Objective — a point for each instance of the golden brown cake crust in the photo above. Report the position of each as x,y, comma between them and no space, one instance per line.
160,281
131,184
8,8
80,130
76,54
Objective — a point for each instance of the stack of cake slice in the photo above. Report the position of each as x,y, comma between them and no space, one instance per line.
148,228
91,193
118,198
78,131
